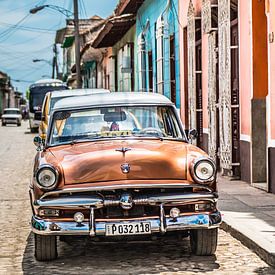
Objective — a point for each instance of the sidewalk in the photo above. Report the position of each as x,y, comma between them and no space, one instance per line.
249,215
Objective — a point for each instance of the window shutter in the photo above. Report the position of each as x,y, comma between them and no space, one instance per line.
141,63
159,41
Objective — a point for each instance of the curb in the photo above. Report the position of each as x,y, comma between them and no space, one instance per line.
266,256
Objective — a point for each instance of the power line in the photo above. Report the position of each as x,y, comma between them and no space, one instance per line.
11,30
26,28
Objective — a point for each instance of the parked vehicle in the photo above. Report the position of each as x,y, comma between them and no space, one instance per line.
52,97
119,165
38,91
11,116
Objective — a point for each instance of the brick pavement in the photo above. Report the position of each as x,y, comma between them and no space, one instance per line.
84,257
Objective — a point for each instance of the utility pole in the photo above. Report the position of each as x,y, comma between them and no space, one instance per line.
54,61
77,45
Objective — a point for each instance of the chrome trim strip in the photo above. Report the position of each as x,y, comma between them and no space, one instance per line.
186,222
92,222
124,186
71,202
98,202
162,220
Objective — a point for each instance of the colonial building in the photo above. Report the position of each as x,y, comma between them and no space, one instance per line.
157,41
9,97
118,35
215,59
65,38
227,86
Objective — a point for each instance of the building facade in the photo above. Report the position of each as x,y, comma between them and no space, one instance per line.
227,85
9,97
157,48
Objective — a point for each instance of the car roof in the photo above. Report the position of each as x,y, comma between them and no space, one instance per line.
48,82
76,92
12,109
111,99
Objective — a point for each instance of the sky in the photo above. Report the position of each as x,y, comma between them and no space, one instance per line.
25,36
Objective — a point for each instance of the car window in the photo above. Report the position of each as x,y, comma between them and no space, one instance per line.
113,122
11,112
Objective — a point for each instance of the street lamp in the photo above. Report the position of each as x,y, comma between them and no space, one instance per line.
65,12
42,60
68,13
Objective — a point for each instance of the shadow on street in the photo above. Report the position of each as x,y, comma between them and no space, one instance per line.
80,256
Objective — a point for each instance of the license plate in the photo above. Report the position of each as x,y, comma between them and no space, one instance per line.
117,229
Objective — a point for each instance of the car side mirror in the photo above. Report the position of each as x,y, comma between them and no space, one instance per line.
38,142
38,115
192,134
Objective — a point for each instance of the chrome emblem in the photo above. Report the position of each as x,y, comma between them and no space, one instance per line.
125,168
126,201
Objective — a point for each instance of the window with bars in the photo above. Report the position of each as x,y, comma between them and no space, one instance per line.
141,63
126,68
159,54
111,73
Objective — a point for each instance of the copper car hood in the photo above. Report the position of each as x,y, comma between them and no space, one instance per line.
91,162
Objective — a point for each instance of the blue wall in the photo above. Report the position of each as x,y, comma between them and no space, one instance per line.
147,15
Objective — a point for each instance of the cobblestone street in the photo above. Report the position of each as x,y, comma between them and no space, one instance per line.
84,257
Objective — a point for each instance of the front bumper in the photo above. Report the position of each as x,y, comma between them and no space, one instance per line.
95,227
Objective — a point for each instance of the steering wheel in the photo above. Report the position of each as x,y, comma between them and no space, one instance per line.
152,131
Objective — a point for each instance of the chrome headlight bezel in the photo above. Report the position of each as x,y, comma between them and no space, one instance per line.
194,166
53,170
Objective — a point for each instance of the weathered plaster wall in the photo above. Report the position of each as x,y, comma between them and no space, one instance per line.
148,14
245,61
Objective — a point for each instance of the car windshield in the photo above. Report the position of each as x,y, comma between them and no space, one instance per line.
11,112
114,122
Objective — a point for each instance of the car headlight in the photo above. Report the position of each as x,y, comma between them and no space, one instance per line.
47,177
203,170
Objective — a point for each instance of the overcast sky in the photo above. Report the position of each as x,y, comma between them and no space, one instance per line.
33,37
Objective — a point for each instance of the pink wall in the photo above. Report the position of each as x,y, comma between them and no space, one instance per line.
183,8
245,59
271,58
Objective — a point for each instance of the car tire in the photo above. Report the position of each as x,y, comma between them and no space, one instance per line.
204,241
3,124
45,247
18,124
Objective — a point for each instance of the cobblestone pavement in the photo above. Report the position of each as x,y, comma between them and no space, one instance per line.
84,257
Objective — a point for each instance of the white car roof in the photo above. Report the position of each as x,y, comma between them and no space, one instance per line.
112,99
77,92
48,80
12,109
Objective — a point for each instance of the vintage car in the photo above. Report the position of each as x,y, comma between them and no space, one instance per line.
118,166
11,116
52,97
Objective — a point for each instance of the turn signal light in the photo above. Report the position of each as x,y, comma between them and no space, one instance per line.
49,212
174,212
79,217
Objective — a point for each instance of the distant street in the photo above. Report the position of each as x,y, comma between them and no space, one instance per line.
84,257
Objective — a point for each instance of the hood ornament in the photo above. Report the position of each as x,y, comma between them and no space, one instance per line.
123,150
125,168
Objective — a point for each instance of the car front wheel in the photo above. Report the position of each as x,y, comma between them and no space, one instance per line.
204,241
45,247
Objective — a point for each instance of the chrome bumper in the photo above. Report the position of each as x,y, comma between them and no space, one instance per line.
94,228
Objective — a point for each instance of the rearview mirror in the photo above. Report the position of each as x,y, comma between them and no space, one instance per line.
192,134
38,142
115,116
